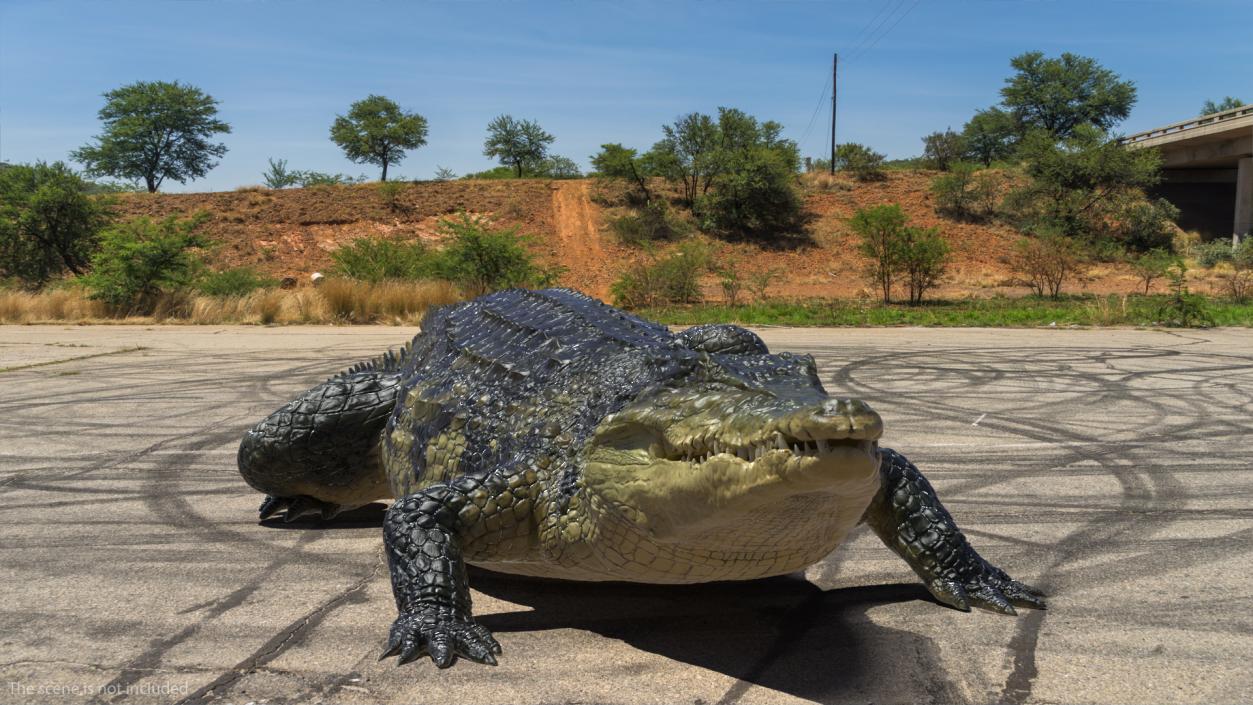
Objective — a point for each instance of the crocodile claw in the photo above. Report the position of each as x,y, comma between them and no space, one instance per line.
991,589
441,634
290,509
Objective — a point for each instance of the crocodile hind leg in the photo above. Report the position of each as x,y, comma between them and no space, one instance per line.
318,454
908,517
423,533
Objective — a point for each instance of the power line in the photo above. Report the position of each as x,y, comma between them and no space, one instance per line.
875,24
813,117
887,32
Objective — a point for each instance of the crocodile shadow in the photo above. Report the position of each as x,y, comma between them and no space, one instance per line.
784,633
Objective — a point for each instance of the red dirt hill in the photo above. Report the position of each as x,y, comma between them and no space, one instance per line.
292,232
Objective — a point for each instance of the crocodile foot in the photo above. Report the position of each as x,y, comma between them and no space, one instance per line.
986,586
441,633
293,508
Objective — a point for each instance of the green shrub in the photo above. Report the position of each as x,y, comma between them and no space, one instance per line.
236,281
48,222
672,280
965,193
278,177
141,259
880,229
1183,309
652,223
378,259
757,197
320,178
924,259
862,162
480,259
1149,225
941,150
1151,265
1210,254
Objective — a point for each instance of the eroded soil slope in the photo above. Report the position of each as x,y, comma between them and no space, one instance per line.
292,233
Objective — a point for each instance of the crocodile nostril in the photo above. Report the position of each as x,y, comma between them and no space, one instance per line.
841,406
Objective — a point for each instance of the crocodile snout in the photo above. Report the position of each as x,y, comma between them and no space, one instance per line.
834,419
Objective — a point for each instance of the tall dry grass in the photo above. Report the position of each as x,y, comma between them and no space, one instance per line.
335,301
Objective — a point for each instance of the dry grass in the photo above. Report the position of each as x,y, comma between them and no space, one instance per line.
336,301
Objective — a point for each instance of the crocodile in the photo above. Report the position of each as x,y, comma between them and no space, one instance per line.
544,433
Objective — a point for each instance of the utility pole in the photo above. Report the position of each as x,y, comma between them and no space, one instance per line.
835,65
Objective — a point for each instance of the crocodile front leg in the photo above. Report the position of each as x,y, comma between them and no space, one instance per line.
422,535
908,517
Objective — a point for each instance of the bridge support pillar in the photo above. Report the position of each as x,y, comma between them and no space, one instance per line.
1244,200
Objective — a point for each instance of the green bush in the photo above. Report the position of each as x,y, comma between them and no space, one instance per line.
278,177
1182,308
672,280
880,229
48,222
1149,225
1239,280
862,162
1152,265
757,197
141,259
652,223
1210,254
941,150
924,259
897,250
236,281
377,259
480,259
965,193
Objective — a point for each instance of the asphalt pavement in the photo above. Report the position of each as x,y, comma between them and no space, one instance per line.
1111,468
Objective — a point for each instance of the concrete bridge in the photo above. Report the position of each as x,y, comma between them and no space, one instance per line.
1207,163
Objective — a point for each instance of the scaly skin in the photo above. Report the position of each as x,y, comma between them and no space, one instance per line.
544,433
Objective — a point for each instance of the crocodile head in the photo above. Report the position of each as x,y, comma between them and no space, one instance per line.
737,437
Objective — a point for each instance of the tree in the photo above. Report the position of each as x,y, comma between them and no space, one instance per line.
48,222
862,162
558,167
940,150
1059,95
155,131
377,131
880,229
516,143
1082,183
278,177
924,259
687,153
1228,103
991,135
614,161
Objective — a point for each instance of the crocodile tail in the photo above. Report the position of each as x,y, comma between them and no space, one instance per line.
325,443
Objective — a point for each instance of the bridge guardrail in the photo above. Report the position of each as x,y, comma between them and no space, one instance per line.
1183,126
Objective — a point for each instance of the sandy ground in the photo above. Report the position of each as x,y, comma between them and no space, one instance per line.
1109,467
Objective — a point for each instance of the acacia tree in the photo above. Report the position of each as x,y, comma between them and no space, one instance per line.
48,222
991,135
1227,103
1059,95
377,131
516,143
155,130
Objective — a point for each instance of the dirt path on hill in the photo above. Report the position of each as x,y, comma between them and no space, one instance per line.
577,223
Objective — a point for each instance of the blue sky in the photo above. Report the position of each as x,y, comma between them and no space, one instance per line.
589,72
